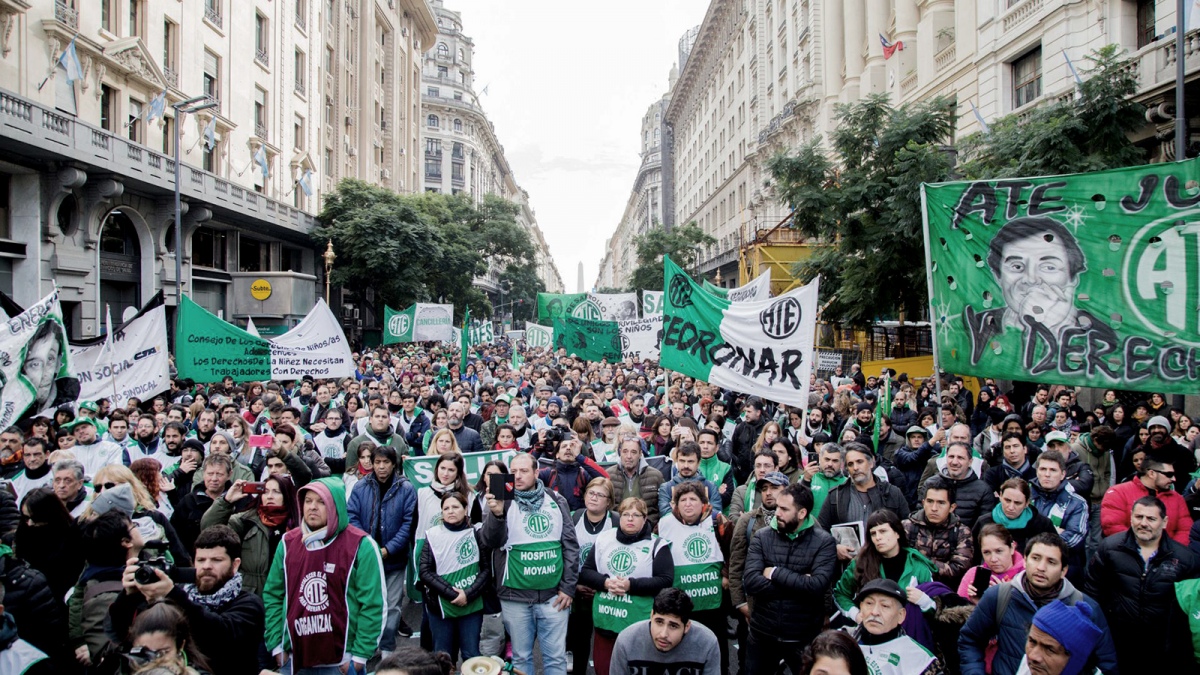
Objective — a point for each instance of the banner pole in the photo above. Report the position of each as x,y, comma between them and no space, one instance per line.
933,319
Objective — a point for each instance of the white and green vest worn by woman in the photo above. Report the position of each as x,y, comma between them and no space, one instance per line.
698,559
611,612
456,557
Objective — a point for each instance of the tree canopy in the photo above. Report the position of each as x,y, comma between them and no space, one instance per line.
681,243
427,247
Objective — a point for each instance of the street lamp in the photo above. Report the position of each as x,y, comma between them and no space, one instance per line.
329,257
190,106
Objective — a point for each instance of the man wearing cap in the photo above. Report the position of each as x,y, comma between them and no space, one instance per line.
1156,478
1097,449
768,488
1062,641
862,424
605,451
1162,444
487,432
889,651
91,409
789,568
92,452
1133,577
745,434
1079,473
912,459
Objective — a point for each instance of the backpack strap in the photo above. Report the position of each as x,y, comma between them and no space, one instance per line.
1003,596
100,588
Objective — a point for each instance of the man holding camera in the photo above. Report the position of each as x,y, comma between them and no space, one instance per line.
572,471
226,622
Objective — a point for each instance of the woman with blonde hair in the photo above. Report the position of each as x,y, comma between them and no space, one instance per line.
151,523
443,441
770,433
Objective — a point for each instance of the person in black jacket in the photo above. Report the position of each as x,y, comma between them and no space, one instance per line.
48,539
454,587
745,434
41,616
226,622
1132,576
217,470
845,503
789,568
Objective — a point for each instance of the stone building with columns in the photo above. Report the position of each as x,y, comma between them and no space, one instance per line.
87,177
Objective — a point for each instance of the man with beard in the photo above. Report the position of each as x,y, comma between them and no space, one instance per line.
471,420
881,609
1156,478
206,426
744,436
11,449
35,470
1163,445
313,416
1133,577
412,422
974,497
146,440
863,423
468,439
825,474
769,487
571,473
226,622
860,496
789,568
89,449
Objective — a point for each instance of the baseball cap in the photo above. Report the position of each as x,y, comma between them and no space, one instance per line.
504,398
1057,436
774,478
70,426
89,405
883,587
914,429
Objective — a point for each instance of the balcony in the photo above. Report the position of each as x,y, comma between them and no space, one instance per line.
212,14
301,88
260,130
262,57
945,58
66,15
30,130
1153,66
171,76
301,18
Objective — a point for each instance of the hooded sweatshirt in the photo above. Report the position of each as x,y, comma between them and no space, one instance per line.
324,595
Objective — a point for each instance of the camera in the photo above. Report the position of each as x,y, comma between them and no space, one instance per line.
556,434
145,570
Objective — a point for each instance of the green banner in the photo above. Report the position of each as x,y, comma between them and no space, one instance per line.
1087,279
419,470
207,348
557,305
587,339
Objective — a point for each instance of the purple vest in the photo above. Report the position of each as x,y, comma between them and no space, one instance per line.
316,582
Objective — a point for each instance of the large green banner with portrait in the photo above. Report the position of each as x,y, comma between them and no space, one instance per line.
1088,279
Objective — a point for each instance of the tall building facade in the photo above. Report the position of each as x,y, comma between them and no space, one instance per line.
88,178
461,152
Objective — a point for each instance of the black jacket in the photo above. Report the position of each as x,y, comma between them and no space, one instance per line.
1137,596
972,494
227,636
429,576
790,605
841,499
10,515
41,616
187,515
744,436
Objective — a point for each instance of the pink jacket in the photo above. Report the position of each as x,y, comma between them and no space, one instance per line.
969,578
1117,508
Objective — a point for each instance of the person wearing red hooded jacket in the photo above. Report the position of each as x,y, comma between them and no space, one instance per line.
1155,478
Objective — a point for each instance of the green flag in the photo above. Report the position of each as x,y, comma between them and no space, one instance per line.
761,347
588,339
1087,279
421,322
465,341
207,348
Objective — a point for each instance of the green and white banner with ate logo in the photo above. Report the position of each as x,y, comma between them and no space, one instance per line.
594,306
588,339
761,347
1087,279
539,336
421,322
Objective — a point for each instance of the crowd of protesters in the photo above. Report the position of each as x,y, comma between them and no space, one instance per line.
649,523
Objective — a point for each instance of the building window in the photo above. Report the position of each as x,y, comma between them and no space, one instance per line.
212,11
443,73
134,125
328,161
253,255
443,51
461,55
108,102
170,49
302,13
1027,78
260,113
293,259
106,14
212,76
435,92
135,18
210,156
208,248
456,171
261,39
168,135
433,122
457,151
300,64
329,59
433,168
462,77
328,110
433,146
1145,22
298,133
458,125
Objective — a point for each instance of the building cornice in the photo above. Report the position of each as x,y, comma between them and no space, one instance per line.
424,21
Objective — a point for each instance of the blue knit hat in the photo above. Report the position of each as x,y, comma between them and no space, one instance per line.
1072,627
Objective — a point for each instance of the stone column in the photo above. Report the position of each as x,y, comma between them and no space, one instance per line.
854,29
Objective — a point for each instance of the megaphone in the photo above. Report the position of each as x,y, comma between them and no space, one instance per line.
482,665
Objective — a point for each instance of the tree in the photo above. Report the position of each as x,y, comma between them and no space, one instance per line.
522,285
864,199
1090,132
681,243
382,243
611,289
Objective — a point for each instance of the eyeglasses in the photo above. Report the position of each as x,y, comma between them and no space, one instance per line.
597,494
105,486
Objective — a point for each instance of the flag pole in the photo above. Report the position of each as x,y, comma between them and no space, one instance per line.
1181,27
933,319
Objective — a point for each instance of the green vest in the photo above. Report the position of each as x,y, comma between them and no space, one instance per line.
615,613
698,560
534,548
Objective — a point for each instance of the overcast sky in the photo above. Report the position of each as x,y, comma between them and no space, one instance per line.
568,84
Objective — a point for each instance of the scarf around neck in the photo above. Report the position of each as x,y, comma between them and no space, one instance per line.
530,501
224,594
1017,523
